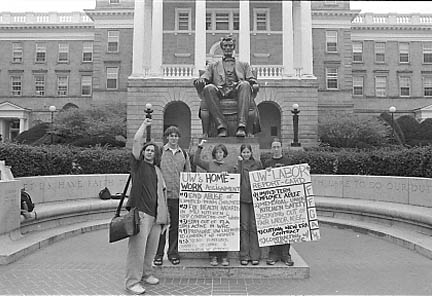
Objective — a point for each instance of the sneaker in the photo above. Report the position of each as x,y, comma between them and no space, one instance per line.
288,261
255,262
271,261
151,280
213,261
225,262
137,289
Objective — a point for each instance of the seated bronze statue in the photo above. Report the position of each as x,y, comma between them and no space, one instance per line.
227,90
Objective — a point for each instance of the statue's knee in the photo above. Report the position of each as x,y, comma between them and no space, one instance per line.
244,86
210,88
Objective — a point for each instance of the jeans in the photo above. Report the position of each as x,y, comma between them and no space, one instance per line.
173,208
141,250
249,248
280,252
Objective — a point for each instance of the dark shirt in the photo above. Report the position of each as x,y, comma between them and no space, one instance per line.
276,162
143,193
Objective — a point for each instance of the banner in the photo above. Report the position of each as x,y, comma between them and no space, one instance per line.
209,212
284,205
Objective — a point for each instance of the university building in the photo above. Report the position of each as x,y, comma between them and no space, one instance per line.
321,55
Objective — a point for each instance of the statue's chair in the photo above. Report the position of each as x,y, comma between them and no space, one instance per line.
229,109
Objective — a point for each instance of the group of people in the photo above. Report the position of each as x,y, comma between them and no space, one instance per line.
155,193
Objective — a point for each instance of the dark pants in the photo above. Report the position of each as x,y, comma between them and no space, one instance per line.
212,96
280,252
249,248
173,208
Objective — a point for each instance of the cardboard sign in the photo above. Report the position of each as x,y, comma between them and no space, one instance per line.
284,205
209,212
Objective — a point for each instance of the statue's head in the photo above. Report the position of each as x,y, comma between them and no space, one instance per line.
227,45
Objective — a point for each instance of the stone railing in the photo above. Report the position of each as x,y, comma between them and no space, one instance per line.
392,19
35,18
178,71
268,71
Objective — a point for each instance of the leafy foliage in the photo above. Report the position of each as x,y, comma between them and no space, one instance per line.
352,131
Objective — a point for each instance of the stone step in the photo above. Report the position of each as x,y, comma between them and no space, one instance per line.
197,265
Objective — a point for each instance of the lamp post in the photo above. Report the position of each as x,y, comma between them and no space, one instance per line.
392,110
52,109
295,111
148,111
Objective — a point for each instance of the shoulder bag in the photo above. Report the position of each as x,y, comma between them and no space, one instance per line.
127,225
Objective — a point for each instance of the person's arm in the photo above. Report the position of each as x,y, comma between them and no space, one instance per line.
139,139
197,158
187,167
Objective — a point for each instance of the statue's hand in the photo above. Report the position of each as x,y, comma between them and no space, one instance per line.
200,83
252,81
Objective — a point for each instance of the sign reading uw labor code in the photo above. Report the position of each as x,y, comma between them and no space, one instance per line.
209,212
284,205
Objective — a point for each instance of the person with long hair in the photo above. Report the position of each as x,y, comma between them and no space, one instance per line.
249,248
216,165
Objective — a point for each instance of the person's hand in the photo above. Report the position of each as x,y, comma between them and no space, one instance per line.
164,228
200,83
268,169
147,121
224,173
239,158
201,144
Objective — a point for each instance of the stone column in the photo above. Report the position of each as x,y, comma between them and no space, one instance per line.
22,125
306,46
156,39
244,32
287,39
200,36
138,40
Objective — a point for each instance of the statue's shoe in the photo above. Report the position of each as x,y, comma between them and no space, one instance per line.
222,133
241,132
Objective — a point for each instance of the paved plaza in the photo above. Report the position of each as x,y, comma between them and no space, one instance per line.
342,262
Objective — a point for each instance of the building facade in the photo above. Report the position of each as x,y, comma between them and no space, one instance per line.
320,55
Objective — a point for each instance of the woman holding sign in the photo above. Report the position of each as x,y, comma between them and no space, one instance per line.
249,248
217,165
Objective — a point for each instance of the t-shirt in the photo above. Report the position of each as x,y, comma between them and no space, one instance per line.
276,162
143,193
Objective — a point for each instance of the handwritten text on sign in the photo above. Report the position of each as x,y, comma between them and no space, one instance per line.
284,205
209,212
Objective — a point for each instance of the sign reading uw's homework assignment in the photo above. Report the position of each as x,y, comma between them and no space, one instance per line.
284,205
209,212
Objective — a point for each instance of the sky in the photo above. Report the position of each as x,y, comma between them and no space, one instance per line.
79,5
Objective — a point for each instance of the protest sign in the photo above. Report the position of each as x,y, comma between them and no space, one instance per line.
284,205
209,212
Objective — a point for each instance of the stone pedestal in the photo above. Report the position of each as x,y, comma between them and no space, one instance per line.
9,207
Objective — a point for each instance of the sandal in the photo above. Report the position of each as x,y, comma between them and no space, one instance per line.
175,260
158,261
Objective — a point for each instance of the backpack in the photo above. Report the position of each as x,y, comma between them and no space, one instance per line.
25,198
105,194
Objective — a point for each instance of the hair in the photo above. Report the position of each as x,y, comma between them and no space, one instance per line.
156,160
247,146
276,140
219,147
227,39
172,130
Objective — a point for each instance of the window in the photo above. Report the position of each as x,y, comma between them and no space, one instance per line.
331,41
261,22
113,41
427,52
222,20
16,85
403,52
63,53
273,131
114,1
112,78
39,85
357,85
404,86
427,86
328,2
40,53
87,52
381,86
86,85
62,86
332,78
17,52
357,52
183,20
380,52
